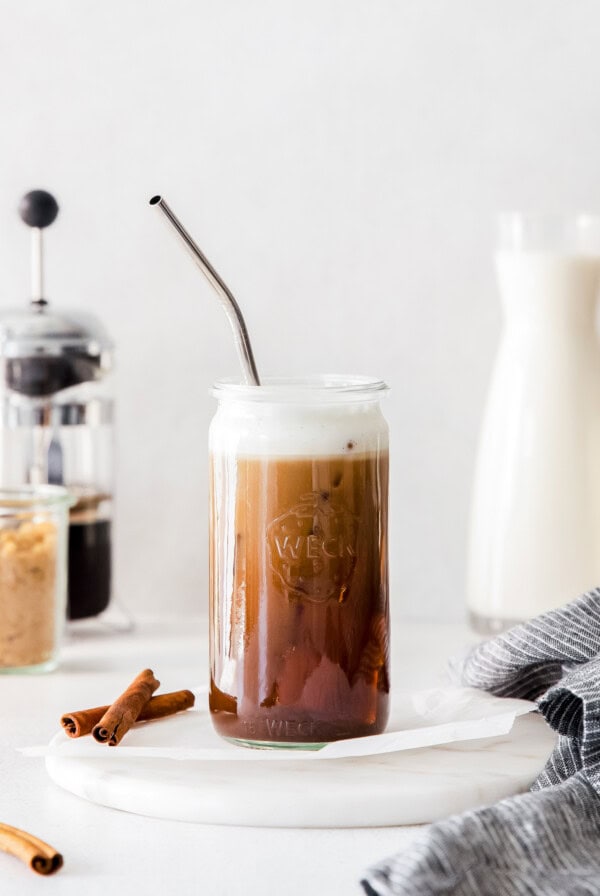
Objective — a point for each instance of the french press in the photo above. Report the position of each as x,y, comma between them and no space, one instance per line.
56,416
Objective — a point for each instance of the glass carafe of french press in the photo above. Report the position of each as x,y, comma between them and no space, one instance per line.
56,417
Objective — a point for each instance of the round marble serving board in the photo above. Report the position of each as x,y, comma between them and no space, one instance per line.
408,787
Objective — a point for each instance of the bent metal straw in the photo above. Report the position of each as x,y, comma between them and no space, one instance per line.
232,309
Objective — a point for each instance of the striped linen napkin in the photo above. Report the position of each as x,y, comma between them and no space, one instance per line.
545,842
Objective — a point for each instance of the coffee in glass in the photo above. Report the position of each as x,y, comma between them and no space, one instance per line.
299,627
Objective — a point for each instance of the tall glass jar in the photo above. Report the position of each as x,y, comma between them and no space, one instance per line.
33,576
299,612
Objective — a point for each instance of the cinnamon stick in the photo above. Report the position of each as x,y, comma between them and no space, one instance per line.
119,717
82,722
40,856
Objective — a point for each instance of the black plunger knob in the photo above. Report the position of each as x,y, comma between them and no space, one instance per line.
38,208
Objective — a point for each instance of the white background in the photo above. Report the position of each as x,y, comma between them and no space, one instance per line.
340,161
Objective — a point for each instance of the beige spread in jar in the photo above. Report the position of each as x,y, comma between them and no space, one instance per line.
27,593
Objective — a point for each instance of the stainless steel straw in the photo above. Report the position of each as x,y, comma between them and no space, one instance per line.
232,309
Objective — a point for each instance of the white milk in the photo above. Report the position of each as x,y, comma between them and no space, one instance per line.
535,522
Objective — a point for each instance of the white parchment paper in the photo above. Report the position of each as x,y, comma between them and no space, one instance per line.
419,719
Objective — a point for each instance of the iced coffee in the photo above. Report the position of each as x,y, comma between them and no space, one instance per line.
298,562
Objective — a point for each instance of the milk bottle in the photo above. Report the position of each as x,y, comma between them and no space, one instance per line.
535,522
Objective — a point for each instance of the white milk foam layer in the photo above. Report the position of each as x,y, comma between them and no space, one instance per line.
265,429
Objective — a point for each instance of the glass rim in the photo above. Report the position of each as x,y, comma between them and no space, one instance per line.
579,216
316,388
565,233
31,497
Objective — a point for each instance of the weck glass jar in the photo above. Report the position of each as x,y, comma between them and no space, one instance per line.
299,612
33,576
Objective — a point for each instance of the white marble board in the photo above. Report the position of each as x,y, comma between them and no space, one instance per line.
409,787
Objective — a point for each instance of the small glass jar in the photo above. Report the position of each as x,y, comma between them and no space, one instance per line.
299,613
33,576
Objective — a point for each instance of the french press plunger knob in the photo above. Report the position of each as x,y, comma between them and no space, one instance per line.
38,209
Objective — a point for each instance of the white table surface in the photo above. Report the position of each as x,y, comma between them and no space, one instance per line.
107,851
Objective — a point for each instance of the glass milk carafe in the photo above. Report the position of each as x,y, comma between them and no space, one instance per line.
535,521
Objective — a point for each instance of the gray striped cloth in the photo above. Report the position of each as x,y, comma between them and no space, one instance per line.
545,842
